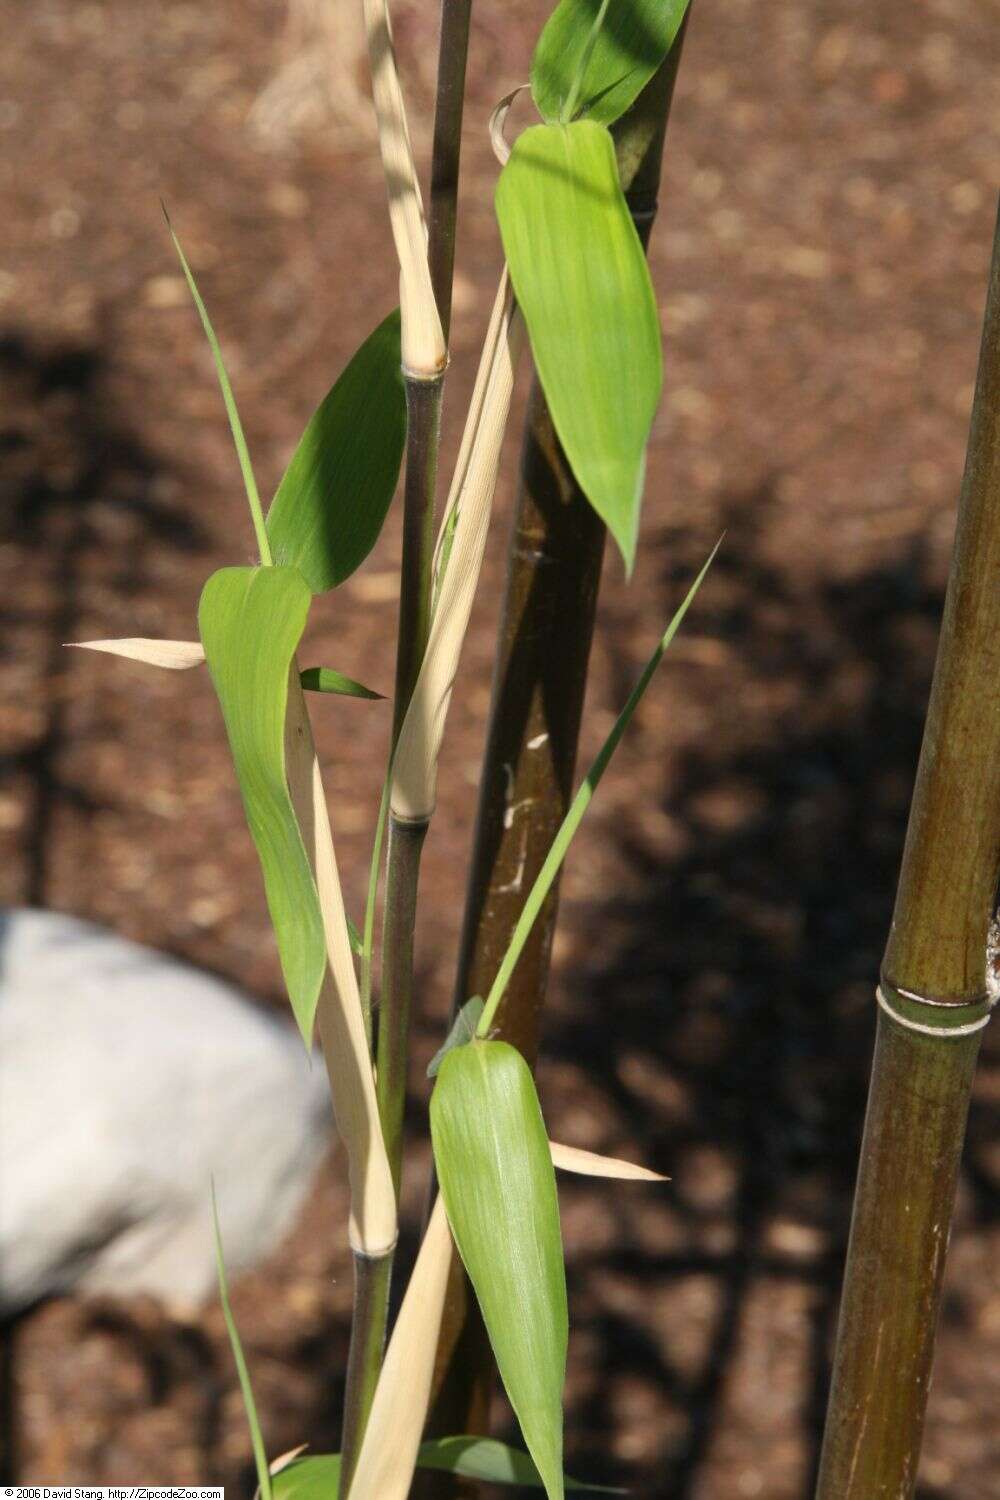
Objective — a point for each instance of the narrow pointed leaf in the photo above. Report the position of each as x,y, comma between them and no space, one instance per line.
331,503
251,620
495,1463
229,401
498,1184
578,807
583,285
178,656
246,1388
327,680
356,937
590,1164
463,1029
633,39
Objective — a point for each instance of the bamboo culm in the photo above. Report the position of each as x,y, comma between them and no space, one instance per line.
934,1001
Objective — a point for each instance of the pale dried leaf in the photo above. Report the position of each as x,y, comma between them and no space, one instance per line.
589,1164
178,656
373,1225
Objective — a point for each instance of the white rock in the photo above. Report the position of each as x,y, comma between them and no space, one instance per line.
129,1080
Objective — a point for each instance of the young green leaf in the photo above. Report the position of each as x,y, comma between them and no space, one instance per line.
249,1404
579,805
326,680
494,1462
633,38
250,621
463,1029
333,499
498,1184
357,940
486,1459
313,1477
229,401
583,285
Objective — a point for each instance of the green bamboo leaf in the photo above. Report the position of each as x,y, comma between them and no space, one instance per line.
583,285
356,938
333,499
495,1463
492,1156
229,400
311,1478
250,621
326,680
463,1029
627,40
318,1477
573,819
249,1404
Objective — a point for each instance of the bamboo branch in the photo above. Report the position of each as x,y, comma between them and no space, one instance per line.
933,1004
556,550
425,297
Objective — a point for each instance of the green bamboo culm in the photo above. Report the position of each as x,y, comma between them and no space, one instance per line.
934,1003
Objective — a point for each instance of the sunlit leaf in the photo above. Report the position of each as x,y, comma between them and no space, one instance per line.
177,656
246,1388
492,1157
229,400
463,1029
326,680
332,501
486,1459
583,285
495,1463
250,621
633,38
309,1478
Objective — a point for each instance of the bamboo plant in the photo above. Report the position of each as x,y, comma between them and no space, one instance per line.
576,288
936,990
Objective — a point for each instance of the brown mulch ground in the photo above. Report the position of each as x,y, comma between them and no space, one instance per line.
821,263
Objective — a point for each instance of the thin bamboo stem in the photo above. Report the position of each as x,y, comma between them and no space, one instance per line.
446,151
406,841
934,1001
372,1281
556,550
424,399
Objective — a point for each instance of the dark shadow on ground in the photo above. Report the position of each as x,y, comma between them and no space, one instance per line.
74,481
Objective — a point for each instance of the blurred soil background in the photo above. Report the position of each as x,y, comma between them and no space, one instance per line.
820,260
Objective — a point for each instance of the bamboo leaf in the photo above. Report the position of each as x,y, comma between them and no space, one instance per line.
250,621
463,1029
486,1459
573,819
229,400
492,1156
326,680
311,1478
631,41
330,506
583,285
249,1404
357,940
178,656
590,1164
495,1463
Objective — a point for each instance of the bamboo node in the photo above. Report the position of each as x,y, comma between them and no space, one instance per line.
943,1030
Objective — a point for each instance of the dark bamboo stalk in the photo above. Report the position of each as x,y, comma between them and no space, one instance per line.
447,150
406,842
934,1003
372,1280
556,550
